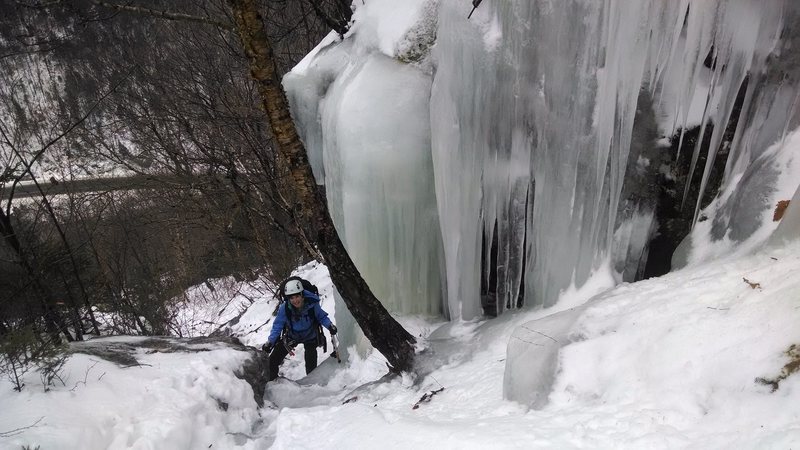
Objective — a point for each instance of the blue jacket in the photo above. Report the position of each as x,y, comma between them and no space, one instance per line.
303,322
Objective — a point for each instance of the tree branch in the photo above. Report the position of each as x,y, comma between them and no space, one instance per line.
16,431
168,15
339,26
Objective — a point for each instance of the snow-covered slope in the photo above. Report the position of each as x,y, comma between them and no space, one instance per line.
671,362
173,400
667,363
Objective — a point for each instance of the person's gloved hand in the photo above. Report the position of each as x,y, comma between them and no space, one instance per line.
267,348
333,330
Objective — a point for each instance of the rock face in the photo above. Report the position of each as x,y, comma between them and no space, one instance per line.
123,353
789,227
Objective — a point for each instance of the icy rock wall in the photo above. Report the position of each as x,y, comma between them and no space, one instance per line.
526,129
364,118
533,106
789,227
742,218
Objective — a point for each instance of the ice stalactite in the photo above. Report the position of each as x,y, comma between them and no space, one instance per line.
364,118
534,108
549,125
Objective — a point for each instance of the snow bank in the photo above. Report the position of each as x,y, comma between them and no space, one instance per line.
686,350
671,362
170,400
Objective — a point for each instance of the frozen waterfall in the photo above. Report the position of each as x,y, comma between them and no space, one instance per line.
365,120
535,124
533,109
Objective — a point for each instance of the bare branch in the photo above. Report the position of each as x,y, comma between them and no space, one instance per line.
427,397
168,15
16,431
339,26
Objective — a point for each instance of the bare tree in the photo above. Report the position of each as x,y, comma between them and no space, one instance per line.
296,190
297,185
215,131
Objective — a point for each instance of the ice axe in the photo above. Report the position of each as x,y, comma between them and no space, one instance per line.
290,344
475,4
335,345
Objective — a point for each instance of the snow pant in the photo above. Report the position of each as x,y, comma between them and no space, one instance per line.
279,354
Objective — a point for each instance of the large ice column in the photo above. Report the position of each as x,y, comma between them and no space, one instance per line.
513,103
390,225
533,108
458,157
365,117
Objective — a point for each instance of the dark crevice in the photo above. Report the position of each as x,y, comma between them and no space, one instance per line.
674,222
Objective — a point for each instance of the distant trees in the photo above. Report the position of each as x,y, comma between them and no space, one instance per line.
125,90
83,91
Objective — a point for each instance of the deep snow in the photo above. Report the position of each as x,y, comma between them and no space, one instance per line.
670,362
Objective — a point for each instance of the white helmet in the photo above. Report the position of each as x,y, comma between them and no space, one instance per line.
292,287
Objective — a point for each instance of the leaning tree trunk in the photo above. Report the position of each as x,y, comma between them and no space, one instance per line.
309,207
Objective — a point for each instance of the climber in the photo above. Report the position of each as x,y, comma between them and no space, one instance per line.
297,322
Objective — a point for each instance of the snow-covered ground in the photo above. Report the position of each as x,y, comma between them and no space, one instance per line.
670,362
170,401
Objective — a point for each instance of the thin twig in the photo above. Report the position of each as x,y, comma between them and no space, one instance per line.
17,431
437,381
85,376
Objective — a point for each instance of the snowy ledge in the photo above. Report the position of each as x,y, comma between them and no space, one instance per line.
140,392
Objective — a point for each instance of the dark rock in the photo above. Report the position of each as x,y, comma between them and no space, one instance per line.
255,371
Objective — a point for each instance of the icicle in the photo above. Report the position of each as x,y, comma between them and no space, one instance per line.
533,107
568,74
364,119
